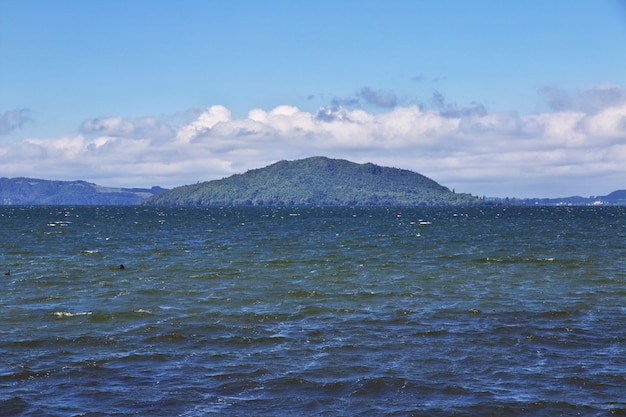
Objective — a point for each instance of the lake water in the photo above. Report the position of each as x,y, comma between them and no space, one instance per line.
313,311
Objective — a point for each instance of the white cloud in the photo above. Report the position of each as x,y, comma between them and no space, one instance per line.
609,125
551,153
207,120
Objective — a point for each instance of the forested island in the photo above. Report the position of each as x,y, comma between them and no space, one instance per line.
316,181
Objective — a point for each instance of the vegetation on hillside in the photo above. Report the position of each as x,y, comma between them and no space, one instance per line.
316,181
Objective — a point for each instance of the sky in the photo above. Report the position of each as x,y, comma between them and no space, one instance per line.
490,97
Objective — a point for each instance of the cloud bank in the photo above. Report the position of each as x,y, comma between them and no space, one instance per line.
576,147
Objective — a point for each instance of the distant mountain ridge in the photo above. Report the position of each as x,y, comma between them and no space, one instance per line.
310,181
31,191
316,181
616,198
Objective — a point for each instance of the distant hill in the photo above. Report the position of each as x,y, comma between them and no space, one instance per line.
616,198
316,181
30,191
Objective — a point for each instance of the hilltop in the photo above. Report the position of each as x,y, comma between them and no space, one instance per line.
31,191
316,181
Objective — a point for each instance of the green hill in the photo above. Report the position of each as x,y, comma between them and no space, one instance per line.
316,181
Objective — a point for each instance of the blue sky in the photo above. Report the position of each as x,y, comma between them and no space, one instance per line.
494,98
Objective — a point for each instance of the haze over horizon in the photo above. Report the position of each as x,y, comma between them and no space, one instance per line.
492,98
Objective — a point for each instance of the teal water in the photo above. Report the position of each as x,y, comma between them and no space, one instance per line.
313,311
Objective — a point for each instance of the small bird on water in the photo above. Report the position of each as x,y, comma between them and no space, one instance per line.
8,272
122,266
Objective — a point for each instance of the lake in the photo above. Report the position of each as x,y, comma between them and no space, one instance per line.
313,311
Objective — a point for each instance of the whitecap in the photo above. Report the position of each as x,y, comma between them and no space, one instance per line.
68,314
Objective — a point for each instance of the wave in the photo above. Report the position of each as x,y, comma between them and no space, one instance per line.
515,260
63,314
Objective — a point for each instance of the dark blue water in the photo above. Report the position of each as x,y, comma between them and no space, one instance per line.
313,311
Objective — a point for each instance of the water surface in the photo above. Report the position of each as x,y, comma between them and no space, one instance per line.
313,311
